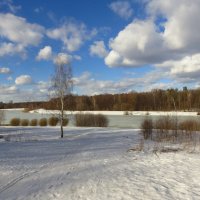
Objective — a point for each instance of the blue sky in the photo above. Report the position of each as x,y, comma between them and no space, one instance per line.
113,46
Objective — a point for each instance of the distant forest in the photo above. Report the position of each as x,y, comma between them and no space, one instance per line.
155,100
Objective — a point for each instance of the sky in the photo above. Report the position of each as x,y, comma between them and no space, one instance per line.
113,46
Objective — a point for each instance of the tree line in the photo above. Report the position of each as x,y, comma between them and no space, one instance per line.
155,100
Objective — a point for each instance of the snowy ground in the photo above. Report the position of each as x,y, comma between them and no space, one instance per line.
91,164
135,113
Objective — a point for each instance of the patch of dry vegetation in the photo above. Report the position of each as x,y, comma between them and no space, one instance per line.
167,135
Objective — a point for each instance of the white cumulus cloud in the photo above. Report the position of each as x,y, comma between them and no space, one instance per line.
5,70
23,80
145,42
19,33
187,66
137,44
71,34
45,53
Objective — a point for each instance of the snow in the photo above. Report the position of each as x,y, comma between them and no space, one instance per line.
134,113
91,164
13,109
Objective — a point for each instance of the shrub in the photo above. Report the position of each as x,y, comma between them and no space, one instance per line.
53,121
147,127
43,122
2,116
126,113
189,125
15,122
101,120
24,122
65,121
91,120
34,122
84,120
166,123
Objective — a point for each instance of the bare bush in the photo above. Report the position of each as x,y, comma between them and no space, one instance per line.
166,128
168,133
147,127
91,120
24,122
43,122
101,120
53,121
84,120
15,122
34,122
189,126
165,123
65,121
126,112
2,116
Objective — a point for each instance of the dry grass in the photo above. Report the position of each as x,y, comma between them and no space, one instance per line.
167,133
91,120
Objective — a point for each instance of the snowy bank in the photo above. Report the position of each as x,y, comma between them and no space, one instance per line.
135,113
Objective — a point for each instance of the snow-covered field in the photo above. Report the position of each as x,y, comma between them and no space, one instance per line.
91,164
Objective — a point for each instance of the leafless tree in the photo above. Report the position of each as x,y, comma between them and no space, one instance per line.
61,85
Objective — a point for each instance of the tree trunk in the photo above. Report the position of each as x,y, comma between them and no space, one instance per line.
62,116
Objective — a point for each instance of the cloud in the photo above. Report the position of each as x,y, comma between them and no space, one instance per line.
43,87
19,94
10,5
62,59
12,49
24,80
90,86
38,10
85,84
72,34
10,78
5,70
137,44
122,8
98,49
181,29
188,67
45,53
19,33
7,89
77,57
144,42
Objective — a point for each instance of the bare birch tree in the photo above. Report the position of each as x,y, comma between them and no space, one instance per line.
61,86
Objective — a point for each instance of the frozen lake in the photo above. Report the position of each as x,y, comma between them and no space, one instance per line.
119,121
